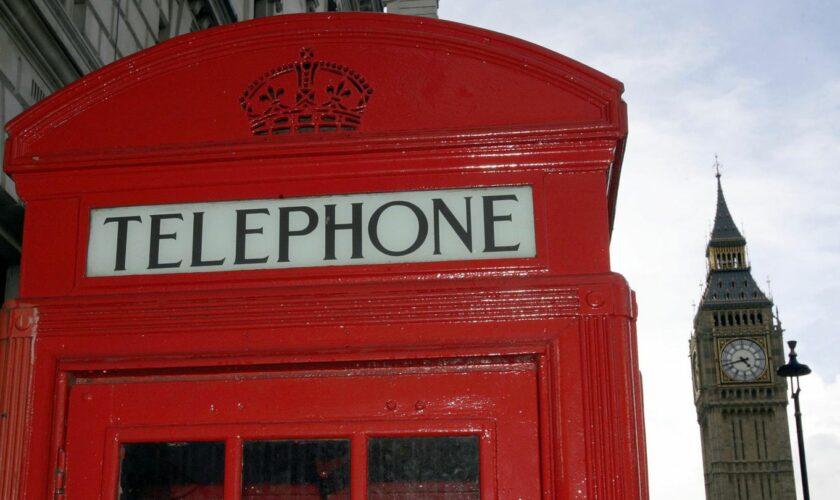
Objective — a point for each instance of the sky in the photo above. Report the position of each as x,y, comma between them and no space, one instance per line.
758,84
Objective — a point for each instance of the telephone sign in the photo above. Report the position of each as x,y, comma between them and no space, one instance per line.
373,228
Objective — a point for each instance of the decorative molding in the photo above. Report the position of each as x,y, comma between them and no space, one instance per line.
603,456
312,307
614,444
18,326
24,322
471,147
307,95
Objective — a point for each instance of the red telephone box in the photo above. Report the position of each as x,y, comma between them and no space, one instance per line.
347,256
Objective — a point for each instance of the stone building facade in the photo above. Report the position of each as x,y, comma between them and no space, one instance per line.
735,350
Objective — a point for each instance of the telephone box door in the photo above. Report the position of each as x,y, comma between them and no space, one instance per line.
421,432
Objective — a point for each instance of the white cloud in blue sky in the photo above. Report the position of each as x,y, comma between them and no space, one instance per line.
757,82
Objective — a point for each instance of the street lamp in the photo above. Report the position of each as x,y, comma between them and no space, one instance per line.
793,370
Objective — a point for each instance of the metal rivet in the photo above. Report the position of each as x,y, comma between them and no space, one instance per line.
595,299
23,321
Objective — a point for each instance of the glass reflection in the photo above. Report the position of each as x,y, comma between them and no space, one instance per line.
424,468
165,471
296,469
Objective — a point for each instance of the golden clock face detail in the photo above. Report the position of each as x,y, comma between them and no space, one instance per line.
743,360
695,365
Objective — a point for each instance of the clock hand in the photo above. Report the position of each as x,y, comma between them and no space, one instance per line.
739,360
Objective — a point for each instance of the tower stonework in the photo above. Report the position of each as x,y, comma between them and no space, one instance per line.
735,348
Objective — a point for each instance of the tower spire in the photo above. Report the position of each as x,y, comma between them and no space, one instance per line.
724,232
726,252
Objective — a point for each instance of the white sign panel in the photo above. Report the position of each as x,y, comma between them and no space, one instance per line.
379,228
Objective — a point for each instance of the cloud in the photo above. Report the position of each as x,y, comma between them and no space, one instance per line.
820,403
758,83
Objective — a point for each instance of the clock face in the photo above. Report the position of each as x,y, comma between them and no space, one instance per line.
743,360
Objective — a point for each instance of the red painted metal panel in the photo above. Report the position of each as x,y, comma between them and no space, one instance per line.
452,107
415,76
49,261
570,213
179,332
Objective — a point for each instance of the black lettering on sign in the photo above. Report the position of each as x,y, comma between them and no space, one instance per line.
490,219
354,225
242,231
362,228
197,242
122,237
465,234
286,232
154,241
422,229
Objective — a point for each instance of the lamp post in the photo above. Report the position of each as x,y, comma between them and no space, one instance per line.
793,370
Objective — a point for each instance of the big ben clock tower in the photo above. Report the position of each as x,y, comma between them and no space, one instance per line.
736,348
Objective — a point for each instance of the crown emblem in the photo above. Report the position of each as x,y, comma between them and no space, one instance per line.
306,96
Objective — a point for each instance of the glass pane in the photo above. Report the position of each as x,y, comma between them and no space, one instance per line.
300,470
427,468
164,471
